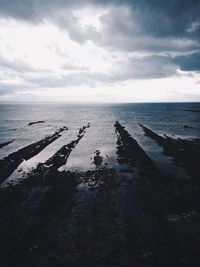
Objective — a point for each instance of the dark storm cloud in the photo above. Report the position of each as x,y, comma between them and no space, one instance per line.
159,17
145,68
150,25
167,31
122,30
167,18
68,22
189,62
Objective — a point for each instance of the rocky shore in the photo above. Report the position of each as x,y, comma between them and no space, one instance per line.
12,161
136,216
179,149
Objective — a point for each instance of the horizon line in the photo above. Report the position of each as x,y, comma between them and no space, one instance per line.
89,102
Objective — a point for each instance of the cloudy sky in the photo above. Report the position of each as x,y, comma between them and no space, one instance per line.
100,51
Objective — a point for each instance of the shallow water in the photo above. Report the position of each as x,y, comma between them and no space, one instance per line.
164,118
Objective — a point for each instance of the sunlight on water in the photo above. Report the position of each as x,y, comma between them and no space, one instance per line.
171,119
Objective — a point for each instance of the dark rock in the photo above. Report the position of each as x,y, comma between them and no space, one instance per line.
186,153
12,161
6,143
35,122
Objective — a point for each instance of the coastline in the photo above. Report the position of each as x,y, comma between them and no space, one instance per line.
104,217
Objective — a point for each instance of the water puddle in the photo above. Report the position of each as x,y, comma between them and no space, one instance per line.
98,137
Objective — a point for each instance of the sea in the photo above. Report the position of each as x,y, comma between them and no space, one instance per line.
178,120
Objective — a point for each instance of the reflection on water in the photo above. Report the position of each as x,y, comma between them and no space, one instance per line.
171,119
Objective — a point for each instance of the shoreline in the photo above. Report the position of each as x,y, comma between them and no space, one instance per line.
106,217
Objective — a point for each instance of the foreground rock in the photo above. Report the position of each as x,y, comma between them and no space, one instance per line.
100,218
97,218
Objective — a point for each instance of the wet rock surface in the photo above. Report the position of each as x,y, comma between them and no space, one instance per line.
103,217
35,122
180,198
85,219
59,158
12,161
133,153
186,153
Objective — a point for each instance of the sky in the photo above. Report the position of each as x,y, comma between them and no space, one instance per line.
100,51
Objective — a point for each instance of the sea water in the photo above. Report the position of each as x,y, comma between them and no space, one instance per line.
173,119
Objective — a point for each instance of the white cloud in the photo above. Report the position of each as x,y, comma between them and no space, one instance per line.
92,54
